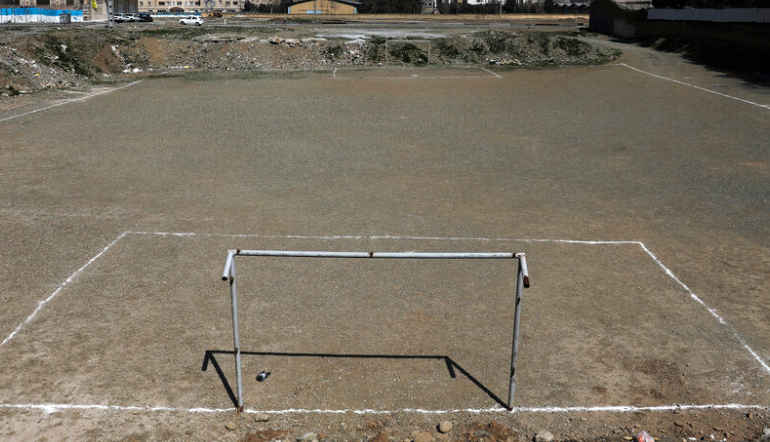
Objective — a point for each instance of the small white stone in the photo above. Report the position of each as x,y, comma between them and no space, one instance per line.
261,417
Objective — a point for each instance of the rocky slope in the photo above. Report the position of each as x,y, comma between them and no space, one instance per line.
72,58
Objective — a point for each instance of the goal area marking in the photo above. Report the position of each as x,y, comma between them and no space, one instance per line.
55,407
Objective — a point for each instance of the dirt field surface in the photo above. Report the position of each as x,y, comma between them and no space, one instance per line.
641,202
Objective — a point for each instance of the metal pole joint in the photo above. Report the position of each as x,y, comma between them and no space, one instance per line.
522,257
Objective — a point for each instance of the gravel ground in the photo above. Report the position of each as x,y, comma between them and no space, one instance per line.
579,152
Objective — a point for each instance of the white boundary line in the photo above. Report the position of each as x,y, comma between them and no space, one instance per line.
683,83
713,312
494,74
71,100
59,288
53,408
381,237
420,77
50,408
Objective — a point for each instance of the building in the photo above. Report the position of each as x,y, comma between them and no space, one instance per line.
618,17
330,7
92,9
191,5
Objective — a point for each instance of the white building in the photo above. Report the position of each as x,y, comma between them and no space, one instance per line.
191,5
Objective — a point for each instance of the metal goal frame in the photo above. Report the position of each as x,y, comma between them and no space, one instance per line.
522,282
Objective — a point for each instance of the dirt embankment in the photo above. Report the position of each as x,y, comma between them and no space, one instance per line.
73,58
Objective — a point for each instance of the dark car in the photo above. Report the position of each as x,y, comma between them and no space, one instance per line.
144,16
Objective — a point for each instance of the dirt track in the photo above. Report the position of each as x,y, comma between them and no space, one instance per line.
536,154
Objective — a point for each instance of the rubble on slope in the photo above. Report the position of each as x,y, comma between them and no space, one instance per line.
61,59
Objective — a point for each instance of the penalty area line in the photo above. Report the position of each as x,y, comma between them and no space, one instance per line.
72,100
700,88
711,310
644,248
60,287
383,237
492,73
54,408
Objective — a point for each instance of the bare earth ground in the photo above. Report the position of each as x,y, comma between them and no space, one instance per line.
577,153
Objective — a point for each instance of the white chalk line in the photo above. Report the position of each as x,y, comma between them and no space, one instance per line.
381,237
492,73
418,77
54,408
684,83
713,312
72,100
60,287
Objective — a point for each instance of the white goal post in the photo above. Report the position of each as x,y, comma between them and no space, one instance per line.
522,281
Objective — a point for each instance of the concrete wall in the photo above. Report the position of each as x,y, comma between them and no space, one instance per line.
609,18
92,9
734,46
741,35
37,15
623,28
727,15
322,7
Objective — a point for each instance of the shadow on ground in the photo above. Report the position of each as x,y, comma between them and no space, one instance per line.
451,366
751,65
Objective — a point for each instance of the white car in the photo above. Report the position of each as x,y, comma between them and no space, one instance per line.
191,20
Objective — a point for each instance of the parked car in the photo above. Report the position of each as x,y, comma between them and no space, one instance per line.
126,17
191,20
144,16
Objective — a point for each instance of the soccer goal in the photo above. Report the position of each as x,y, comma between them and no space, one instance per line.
522,281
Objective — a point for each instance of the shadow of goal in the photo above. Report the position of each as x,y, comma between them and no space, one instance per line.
229,274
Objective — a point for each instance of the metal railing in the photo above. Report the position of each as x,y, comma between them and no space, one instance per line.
522,281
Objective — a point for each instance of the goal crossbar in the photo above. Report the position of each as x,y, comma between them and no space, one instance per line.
522,281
